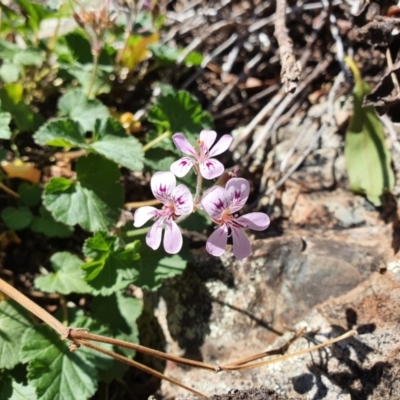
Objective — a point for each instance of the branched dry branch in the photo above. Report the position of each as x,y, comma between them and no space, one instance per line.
80,337
291,69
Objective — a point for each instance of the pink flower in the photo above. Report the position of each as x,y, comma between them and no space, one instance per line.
177,201
210,168
221,204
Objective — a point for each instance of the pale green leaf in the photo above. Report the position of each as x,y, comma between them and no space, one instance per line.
76,105
14,322
5,119
10,389
9,72
94,201
61,133
113,143
367,157
46,224
67,277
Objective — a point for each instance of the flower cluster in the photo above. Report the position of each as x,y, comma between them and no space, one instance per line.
220,203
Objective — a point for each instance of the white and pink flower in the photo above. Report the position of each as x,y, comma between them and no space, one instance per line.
177,201
209,167
221,204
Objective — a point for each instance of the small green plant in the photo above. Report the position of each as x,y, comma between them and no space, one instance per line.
367,157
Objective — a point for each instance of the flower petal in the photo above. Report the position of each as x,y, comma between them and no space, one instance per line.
215,202
211,168
172,237
221,146
153,237
143,214
162,184
183,144
216,243
181,167
238,189
183,200
257,221
208,138
241,244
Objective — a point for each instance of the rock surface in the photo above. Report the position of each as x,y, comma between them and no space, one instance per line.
326,281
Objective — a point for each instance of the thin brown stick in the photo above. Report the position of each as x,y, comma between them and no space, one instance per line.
235,367
137,365
76,335
281,350
291,69
33,308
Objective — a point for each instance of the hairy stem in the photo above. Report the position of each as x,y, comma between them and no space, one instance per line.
156,140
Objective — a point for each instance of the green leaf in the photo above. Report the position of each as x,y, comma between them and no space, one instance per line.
9,72
67,277
194,58
164,54
20,56
10,389
61,133
367,157
55,371
155,266
35,13
83,74
79,108
14,322
113,143
17,218
5,119
11,97
46,224
107,256
30,194
119,313
179,111
94,201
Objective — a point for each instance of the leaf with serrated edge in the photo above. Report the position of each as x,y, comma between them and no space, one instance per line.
156,266
79,108
94,201
113,143
108,257
56,372
61,133
13,323
13,390
67,277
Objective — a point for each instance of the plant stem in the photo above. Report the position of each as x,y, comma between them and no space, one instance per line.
137,204
137,232
64,309
156,140
94,74
137,365
198,186
8,190
40,312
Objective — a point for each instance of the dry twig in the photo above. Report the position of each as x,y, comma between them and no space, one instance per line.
291,69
